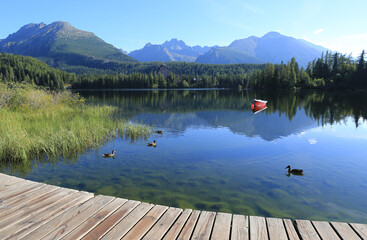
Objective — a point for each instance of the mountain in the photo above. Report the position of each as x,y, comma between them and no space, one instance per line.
273,47
173,50
60,44
225,55
123,51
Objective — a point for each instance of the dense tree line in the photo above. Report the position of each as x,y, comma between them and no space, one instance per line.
158,80
334,70
15,68
180,68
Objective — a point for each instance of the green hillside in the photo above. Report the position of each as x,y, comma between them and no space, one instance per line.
61,45
14,68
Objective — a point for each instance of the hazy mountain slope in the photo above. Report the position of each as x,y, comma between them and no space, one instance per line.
273,47
173,50
226,55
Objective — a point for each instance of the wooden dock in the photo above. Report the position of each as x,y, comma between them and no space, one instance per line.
30,210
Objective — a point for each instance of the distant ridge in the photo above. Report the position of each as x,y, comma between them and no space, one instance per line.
273,47
173,50
60,44
63,46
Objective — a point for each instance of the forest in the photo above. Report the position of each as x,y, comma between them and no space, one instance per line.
15,68
330,71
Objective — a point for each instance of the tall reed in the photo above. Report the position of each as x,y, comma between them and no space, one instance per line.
35,123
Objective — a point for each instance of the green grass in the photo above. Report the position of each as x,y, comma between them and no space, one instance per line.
35,124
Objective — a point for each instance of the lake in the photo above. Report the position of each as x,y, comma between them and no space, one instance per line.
215,154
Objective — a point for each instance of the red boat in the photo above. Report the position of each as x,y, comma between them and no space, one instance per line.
258,105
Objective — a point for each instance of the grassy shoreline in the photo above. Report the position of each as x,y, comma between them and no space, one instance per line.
36,123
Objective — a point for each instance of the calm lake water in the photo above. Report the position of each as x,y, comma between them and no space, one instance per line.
216,155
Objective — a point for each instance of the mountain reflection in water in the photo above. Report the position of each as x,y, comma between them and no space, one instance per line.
215,154
289,112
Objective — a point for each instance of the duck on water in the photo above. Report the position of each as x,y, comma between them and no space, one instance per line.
294,171
109,154
152,144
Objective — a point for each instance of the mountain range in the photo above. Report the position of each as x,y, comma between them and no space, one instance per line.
173,50
59,43
63,46
273,47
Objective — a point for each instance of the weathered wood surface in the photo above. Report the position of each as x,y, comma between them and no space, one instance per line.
30,210
276,229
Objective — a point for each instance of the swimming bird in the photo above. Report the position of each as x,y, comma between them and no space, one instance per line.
154,143
294,171
109,154
159,131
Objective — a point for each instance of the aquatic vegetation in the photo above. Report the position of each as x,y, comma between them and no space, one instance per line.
36,123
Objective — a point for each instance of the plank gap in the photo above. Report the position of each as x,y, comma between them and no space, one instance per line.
356,231
212,228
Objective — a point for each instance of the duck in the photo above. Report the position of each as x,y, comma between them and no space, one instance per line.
109,154
294,171
159,131
154,143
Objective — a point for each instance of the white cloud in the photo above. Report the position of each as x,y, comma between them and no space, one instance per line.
317,31
347,44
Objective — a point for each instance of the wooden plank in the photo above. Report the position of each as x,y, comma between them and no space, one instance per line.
96,219
31,209
120,229
61,219
163,224
29,224
361,229
204,226
306,230
5,188
345,231
111,221
74,222
6,180
325,230
276,229
17,189
143,226
240,230
222,226
258,228
178,225
21,204
23,195
189,226
292,233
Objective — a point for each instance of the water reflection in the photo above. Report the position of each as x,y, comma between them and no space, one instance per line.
290,112
215,154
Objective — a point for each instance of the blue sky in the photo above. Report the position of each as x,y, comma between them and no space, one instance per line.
339,25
